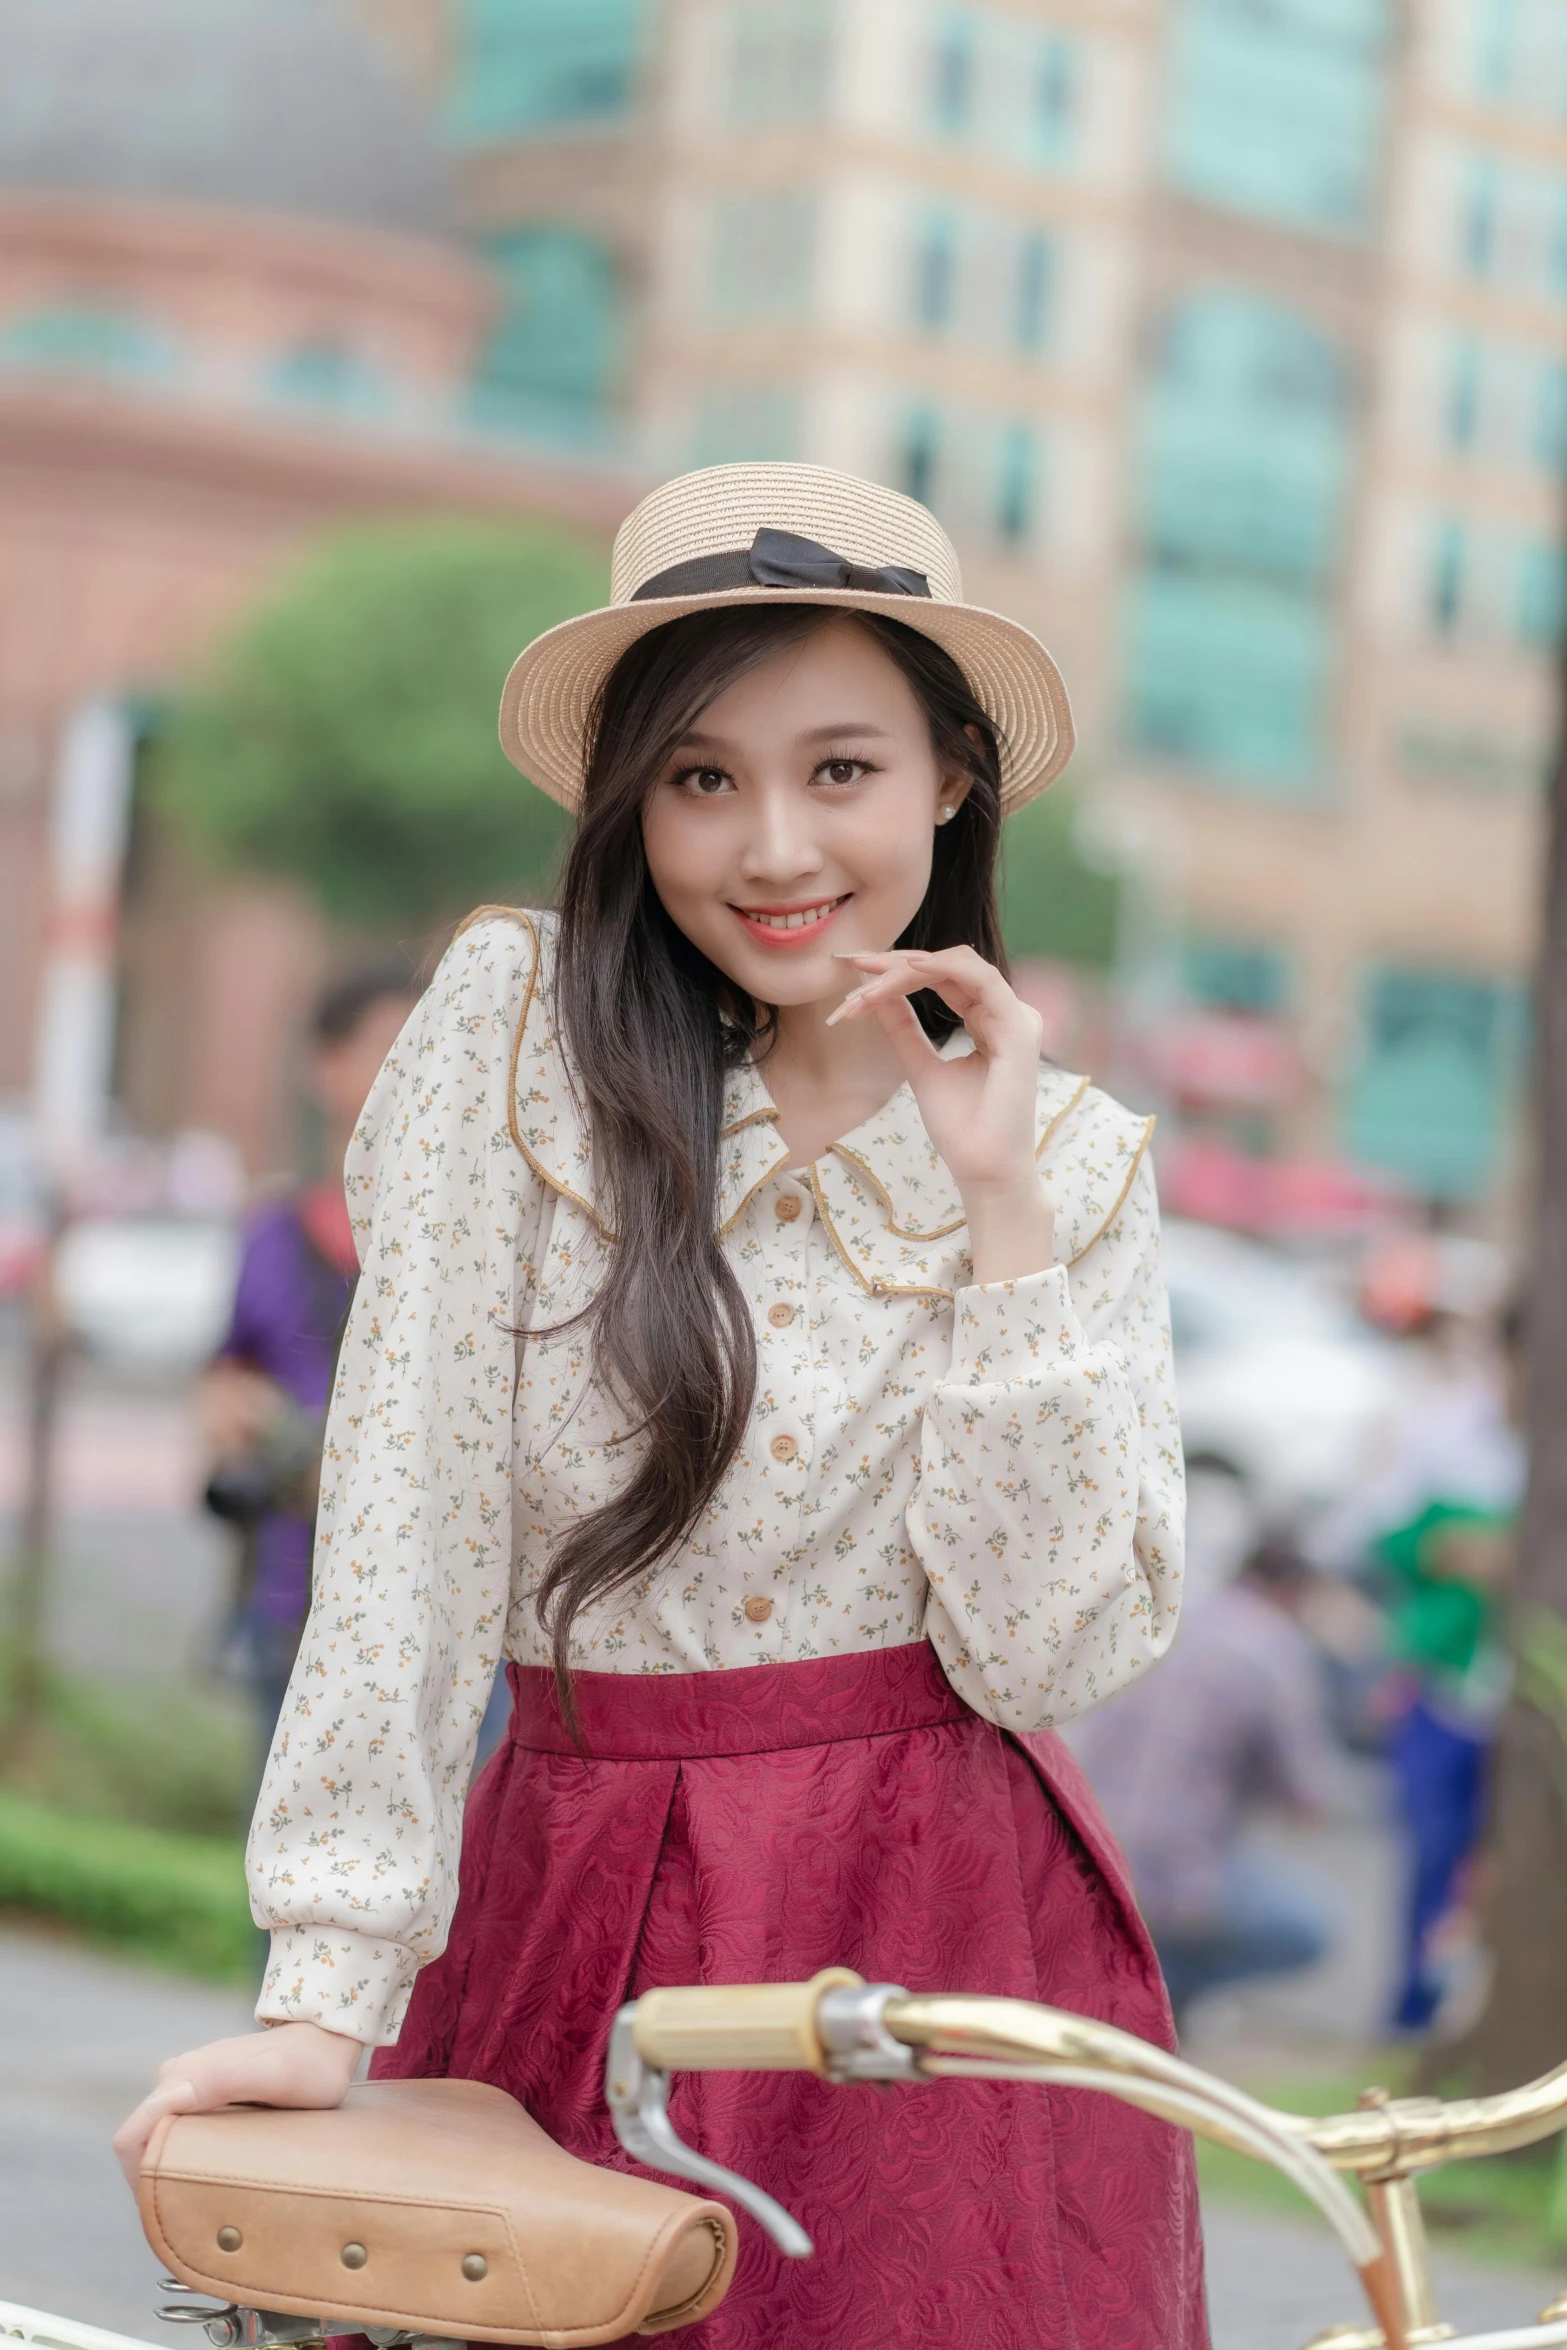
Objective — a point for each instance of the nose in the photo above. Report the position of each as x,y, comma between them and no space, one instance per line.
781,844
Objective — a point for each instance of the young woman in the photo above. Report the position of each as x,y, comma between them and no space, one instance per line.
762,1350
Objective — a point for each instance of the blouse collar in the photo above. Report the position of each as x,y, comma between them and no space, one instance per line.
885,1198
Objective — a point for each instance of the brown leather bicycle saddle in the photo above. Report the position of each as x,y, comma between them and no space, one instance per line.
438,2206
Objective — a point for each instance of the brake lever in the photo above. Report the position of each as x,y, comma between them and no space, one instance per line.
638,2098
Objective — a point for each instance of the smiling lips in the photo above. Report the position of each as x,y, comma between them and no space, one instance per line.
789,926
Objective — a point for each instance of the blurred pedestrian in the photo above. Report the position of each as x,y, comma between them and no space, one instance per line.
1234,1717
1449,1563
263,1398
1435,1527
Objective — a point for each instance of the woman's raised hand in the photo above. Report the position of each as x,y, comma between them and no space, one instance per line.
978,1108
291,2064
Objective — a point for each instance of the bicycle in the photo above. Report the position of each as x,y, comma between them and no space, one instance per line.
845,2030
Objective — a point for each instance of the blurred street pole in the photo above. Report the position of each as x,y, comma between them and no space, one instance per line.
1522,2030
73,1070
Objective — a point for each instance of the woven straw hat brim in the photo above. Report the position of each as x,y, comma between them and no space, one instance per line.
550,692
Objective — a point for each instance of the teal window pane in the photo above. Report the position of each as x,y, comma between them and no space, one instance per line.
1550,417
780,67
919,456
1055,98
1447,576
530,65
935,272
550,362
1479,219
1542,596
1245,443
1236,975
763,256
87,338
1439,1067
952,72
1278,110
1463,395
1036,280
1495,27
326,376
739,422
1017,484
1229,676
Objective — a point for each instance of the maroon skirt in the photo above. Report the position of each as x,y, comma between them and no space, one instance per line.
754,1826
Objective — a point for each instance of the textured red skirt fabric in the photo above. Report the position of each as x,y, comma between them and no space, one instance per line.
757,1825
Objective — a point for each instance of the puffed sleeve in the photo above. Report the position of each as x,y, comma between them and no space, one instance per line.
1050,1510
353,1853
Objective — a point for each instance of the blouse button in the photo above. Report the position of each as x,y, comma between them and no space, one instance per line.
758,1609
784,1448
786,1207
780,1316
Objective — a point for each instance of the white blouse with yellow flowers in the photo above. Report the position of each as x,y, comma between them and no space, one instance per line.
996,1470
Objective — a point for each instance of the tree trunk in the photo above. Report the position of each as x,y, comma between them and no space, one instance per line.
1522,2030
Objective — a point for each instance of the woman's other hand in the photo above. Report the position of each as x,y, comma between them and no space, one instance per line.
978,1107
291,2064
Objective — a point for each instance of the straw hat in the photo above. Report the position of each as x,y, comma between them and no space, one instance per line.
783,534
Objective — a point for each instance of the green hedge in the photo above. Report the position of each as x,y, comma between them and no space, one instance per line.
179,1900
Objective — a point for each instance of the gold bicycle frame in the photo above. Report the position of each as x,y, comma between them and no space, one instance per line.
846,2030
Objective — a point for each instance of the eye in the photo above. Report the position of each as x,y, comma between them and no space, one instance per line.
841,771
703,783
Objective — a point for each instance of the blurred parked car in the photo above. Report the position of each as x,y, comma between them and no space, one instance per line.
151,1293
1285,1396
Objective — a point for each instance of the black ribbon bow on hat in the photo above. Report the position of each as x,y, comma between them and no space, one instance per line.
781,559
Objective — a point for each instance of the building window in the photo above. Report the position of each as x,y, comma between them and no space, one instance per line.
1542,596
1230,678
952,73
1520,54
1017,484
1445,595
1550,417
325,374
87,338
1278,110
1463,397
1479,224
741,422
920,451
1036,274
763,256
935,272
550,362
538,65
1234,975
1439,1065
1244,463
780,65
1055,96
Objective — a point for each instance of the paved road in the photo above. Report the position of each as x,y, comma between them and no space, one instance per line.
80,2035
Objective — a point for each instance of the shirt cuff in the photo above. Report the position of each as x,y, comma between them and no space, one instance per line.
349,1982
1011,1330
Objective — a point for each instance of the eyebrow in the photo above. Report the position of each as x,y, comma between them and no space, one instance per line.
695,740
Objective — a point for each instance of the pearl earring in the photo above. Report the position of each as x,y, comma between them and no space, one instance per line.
946,815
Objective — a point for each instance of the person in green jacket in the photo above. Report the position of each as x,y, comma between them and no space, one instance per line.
1447,1565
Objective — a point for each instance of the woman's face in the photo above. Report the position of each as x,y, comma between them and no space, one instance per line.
795,820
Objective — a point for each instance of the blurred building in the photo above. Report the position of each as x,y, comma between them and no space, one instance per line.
232,312
1231,342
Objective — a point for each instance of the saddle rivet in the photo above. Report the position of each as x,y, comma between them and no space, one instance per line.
229,2239
475,2267
353,2256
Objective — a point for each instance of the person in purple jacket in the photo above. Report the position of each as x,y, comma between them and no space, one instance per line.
263,1398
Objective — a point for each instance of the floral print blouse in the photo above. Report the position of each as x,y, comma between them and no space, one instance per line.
996,1470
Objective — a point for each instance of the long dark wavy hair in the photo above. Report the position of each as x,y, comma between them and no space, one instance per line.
652,1028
